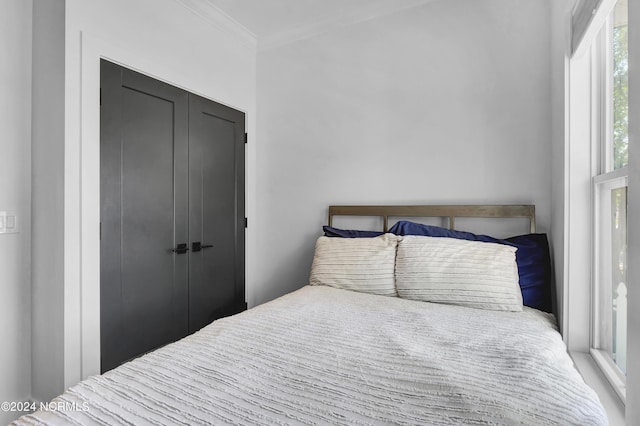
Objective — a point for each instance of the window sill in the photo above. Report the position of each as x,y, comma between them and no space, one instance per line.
594,378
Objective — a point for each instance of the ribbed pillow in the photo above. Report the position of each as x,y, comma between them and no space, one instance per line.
532,258
459,272
359,264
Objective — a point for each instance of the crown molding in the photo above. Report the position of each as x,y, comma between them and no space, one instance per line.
222,21
315,28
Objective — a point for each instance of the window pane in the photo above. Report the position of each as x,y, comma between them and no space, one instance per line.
620,85
611,277
619,276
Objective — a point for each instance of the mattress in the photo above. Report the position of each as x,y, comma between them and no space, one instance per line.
322,355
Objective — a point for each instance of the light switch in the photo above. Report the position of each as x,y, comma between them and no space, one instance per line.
8,223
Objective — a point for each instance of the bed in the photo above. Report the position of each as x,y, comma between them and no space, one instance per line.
330,355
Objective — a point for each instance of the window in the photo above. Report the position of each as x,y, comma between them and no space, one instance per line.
611,141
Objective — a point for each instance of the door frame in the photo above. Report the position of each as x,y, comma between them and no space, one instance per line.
82,197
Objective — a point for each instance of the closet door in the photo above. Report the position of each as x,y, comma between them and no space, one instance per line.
144,214
216,212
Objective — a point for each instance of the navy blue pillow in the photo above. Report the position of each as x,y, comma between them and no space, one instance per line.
349,233
532,257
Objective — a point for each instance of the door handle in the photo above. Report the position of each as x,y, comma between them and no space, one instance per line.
181,248
197,246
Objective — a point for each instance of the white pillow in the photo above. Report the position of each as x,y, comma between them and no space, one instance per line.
459,272
359,264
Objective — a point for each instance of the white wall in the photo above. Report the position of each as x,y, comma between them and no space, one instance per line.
633,253
15,182
560,45
47,199
166,40
444,103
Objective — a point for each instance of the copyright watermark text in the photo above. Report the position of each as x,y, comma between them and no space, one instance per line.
31,406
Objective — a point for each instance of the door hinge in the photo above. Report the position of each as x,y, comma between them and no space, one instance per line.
246,138
101,96
246,222
100,231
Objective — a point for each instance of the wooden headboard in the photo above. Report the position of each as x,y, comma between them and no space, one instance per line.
442,211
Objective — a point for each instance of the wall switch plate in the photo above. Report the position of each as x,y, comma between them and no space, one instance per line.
8,223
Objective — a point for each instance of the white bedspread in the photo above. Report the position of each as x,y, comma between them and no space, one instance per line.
327,356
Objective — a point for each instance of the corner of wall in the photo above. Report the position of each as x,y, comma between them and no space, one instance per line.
46,198
15,175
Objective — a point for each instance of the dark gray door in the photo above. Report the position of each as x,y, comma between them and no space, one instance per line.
172,213
144,211
216,214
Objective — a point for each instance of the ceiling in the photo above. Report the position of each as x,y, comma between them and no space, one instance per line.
277,22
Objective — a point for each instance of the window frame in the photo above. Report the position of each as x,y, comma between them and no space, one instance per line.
617,179
603,177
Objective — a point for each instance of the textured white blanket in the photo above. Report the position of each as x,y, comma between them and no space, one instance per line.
326,356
